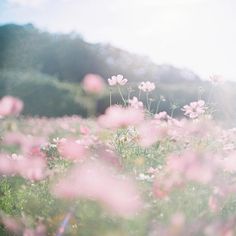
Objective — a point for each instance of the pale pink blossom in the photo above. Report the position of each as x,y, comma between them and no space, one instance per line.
216,79
195,109
213,204
149,133
28,143
31,168
162,116
40,230
93,83
147,86
97,181
117,80
11,224
71,149
10,106
7,165
152,171
84,130
135,103
118,117
229,163
193,166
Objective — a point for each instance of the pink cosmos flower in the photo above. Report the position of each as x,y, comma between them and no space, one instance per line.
229,163
149,133
216,79
7,165
213,204
71,149
84,130
29,168
97,181
11,224
118,117
162,116
117,80
93,83
10,106
29,144
193,166
147,86
40,230
135,103
32,168
195,109
109,157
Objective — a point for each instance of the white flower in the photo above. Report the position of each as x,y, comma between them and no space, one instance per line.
147,86
135,103
117,80
194,109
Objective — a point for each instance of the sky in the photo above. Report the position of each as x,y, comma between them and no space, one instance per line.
196,34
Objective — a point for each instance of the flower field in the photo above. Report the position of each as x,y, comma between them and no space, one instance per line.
133,170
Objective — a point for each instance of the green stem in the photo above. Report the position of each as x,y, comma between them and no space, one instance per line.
139,95
110,97
158,106
121,95
172,112
147,98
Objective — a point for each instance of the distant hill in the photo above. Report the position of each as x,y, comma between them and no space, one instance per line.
68,57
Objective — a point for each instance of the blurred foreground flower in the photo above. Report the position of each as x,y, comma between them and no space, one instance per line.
99,182
33,169
71,149
10,106
93,84
118,117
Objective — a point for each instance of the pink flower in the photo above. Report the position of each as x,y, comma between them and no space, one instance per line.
93,83
40,230
216,79
162,116
147,86
10,106
32,168
135,103
97,181
193,167
118,117
11,224
229,163
28,143
71,149
194,109
117,80
7,165
84,130
213,204
149,133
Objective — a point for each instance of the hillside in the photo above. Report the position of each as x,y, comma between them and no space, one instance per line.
69,58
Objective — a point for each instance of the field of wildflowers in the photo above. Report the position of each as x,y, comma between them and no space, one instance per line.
132,171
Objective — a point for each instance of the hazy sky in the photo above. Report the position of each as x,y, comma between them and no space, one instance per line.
197,34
